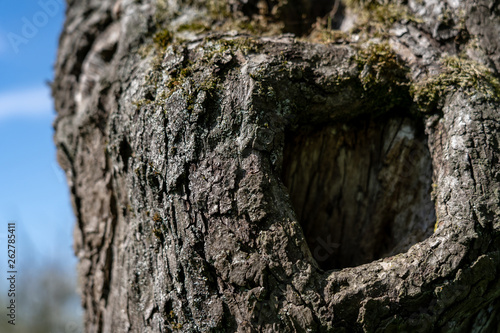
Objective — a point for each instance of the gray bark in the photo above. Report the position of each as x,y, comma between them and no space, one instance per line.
226,181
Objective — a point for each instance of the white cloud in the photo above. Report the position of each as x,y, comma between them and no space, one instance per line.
28,102
4,43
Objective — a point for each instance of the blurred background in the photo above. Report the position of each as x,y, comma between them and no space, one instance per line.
33,190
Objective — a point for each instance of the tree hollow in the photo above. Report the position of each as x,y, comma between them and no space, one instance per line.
361,190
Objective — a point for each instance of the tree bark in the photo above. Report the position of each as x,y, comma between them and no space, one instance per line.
228,177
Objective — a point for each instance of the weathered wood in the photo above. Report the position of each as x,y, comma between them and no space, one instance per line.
362,191
179,141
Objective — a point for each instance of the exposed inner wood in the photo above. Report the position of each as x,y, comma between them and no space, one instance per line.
361,191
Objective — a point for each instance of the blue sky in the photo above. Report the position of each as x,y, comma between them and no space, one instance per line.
33,189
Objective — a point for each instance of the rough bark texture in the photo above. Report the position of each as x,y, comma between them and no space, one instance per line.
236,181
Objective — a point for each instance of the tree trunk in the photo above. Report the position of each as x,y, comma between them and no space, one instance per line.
228,177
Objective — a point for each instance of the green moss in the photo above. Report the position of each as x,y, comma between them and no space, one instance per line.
162,39
259,27
157,217
138,172
380,64
218,9
467,75
185,72
203,72
329,36
141,102
193,26
174,324
375,17
383,76
158,233
210,85
360,3
213,52
392,13
245,45
250,26
180,75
